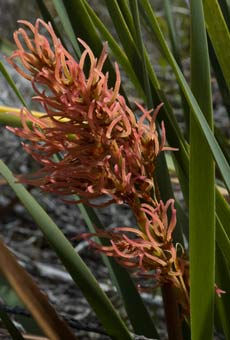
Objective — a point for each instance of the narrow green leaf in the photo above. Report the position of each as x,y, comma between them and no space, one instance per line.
81,23
174,134
222,239
175,50
162,174
126,13
219,35
133,56
13,331
172,32
223,226
11,83
182,216
60,8
125,25
223,142
140,47
223,212
225,8
11,116
71,260
45,13
224,90
201,188
195,109
125,37
10,120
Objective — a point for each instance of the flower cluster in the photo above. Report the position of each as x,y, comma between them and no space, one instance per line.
104,149
91,144
149,252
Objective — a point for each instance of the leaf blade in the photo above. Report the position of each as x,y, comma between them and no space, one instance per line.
217,27
71,260
202,206
195,109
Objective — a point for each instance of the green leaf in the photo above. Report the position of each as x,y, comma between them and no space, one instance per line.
174,135
60,8
223,227
71,260
12,83
162,174
201,188
225,8
13,331
176,53
217,27
126,38
225,93
222,239
194,106
223,212
11,116
140,47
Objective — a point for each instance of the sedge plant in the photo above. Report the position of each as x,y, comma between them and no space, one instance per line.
95,150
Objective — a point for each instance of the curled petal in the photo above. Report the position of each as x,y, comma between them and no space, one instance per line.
87,123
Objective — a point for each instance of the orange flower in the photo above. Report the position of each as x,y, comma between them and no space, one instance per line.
104,149
150,252
89,143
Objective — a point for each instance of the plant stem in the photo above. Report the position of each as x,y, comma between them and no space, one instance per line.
172,316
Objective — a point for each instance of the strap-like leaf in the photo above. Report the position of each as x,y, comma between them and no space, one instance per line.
195,109
12,329
219,35
11,83
201,188
71,260
60,8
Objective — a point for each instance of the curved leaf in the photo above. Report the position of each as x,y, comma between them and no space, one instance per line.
71,260
194,106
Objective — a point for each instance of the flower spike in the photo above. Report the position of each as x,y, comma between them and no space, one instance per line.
104,149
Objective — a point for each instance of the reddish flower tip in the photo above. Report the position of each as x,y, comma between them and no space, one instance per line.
219,291
104,149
